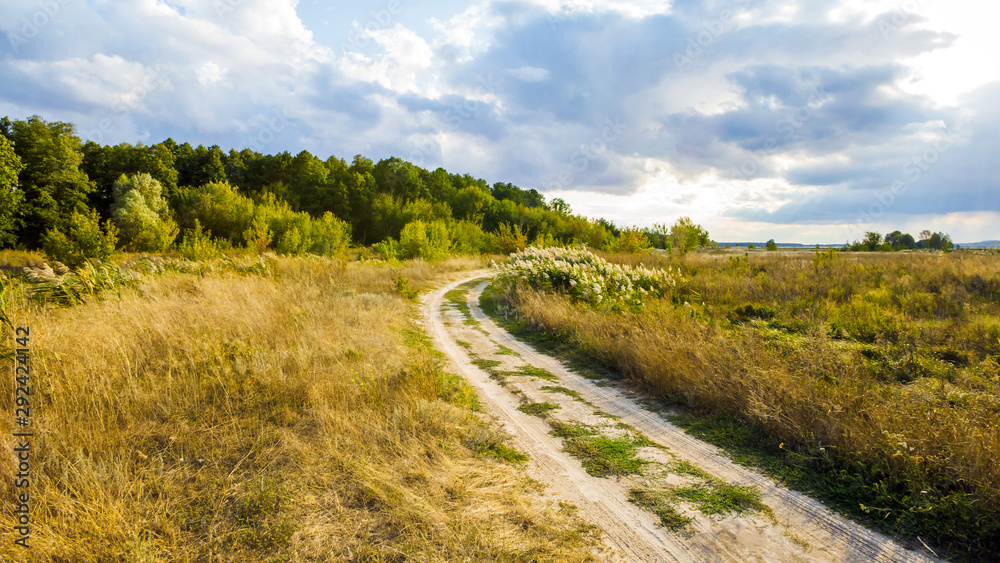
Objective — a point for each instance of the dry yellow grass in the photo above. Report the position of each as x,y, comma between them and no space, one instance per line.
298,416
884,366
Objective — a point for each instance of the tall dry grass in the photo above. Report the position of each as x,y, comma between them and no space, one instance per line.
298,416
882,371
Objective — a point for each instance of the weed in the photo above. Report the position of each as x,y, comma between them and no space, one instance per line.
485,364
570,430
562,390
537,409
403,288
505,351
719,498
662,505
528,370
602,456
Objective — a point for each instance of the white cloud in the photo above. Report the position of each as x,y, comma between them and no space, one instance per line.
209,73
401,66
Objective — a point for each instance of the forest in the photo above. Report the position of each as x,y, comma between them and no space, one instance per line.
78,199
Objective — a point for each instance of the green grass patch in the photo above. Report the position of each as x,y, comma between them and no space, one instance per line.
463,344
487,365
562,390
602,456
505,351
457,391
714,497
537,409
685,467
662,505
458,298
416,339
570,430
528,371
502,451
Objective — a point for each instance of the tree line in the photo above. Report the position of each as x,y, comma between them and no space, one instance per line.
875,242
76,199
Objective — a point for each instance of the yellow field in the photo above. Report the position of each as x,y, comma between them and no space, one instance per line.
297,415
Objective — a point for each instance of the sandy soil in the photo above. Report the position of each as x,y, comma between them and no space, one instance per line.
797,528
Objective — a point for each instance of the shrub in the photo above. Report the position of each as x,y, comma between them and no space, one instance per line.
290,242
630,241
424,240
220,209
258,236
469,238
585,276
510,238
198,244
331,236
84,239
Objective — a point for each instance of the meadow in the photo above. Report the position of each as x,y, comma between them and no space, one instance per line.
259,409
871,380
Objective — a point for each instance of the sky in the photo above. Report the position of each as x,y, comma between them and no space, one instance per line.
800,120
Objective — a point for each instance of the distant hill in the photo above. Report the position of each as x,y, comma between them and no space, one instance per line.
780,244
982,244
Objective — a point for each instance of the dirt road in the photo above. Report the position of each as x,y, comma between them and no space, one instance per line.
681,475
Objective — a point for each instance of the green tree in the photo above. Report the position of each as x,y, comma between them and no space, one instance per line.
10,195
54,187
425,240
771,245
199,166
686,236
559,205
142,215
104,165
630,241
470,203
872,241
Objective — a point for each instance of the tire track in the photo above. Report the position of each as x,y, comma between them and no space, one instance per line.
631,532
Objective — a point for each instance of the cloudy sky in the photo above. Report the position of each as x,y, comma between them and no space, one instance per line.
802,120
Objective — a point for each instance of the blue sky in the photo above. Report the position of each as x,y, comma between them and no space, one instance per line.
799,120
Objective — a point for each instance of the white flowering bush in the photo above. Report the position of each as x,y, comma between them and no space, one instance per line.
585,276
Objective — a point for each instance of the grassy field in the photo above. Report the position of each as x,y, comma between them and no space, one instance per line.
282,409
872,380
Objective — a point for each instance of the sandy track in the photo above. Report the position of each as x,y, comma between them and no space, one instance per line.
633,533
